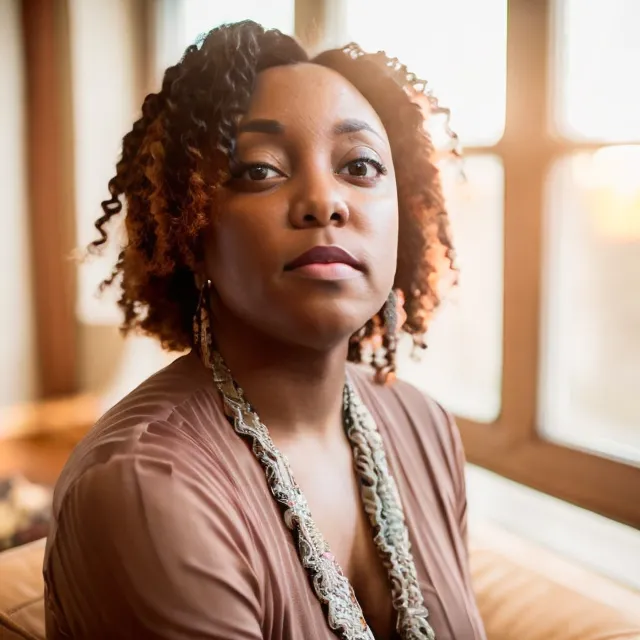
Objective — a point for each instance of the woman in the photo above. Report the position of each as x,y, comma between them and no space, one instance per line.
277,210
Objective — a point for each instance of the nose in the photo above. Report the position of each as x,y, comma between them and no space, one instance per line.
319,203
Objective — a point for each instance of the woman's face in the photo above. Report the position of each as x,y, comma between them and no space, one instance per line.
304,236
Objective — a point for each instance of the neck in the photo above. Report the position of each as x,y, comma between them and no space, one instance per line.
295,390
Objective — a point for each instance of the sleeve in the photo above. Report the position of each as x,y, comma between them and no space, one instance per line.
457,466
448,443
459,479
143,552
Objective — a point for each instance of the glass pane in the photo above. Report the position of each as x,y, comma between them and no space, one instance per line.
199,16
462,368
105,106
18,347
591,322
464,61
180,22
598,57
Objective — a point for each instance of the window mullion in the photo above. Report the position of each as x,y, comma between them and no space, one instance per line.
527,155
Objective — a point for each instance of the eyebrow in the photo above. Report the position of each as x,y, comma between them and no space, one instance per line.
353,125
273,127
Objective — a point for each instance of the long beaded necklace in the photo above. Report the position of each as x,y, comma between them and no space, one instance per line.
381,503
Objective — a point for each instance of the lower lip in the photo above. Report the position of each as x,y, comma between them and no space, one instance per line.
324,271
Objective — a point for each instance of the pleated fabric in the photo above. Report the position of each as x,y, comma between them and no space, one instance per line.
164,527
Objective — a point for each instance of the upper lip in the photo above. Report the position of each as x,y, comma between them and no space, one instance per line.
324,254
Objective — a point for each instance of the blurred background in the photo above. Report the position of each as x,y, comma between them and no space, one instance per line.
537,352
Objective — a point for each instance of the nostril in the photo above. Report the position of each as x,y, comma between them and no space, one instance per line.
336,216
309,217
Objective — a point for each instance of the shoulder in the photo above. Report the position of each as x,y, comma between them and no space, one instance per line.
162,426
403,405
147,508
150,546
145,498
413,422
160,395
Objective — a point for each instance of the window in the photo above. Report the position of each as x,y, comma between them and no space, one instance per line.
470,318
597,50
17,343
199,16
591,316
105,104
570,419
108,85
180,23
591,346
463,61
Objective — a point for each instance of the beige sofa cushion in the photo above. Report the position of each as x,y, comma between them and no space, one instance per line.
527,592
21,593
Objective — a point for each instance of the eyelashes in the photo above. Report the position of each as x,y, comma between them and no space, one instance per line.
364,162
255,171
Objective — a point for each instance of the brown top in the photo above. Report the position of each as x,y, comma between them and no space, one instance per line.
164,527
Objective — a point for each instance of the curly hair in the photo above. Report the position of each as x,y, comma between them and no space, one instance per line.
166,179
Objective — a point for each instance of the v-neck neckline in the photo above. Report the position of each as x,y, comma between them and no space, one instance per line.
380,500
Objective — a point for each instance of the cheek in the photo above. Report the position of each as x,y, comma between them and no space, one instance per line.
235,249
242,246
389,261
380,226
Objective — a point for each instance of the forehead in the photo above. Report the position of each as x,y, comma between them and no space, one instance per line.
305,93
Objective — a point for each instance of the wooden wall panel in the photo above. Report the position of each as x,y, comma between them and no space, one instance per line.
50,189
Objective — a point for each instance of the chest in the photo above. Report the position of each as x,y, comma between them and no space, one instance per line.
334,496
329,483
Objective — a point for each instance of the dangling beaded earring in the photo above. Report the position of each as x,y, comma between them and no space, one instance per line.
202,339
390,313
391,324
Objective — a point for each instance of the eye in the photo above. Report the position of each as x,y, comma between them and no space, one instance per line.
257,172
363,168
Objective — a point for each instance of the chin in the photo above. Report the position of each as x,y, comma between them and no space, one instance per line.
328,326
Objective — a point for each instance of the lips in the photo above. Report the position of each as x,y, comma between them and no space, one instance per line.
325,255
